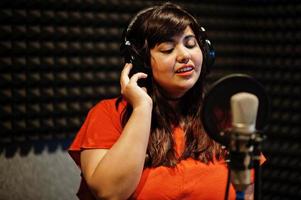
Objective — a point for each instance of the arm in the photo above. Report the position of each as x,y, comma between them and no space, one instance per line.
115,173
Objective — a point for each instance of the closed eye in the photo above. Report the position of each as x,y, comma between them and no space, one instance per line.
167,51
166,47
190,42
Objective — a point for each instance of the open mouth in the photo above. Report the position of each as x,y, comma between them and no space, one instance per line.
184,69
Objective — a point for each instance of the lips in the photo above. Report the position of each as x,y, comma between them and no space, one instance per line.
185,69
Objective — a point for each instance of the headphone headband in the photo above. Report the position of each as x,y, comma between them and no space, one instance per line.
131,55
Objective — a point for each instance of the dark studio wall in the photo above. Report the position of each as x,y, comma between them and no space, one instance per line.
60,57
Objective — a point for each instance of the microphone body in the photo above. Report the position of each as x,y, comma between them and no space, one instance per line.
244,107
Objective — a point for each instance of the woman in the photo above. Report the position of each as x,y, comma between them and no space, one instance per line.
149,143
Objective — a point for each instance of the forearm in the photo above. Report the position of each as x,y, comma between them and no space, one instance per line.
119,172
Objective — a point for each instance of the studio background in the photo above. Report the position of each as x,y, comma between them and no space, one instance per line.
60,57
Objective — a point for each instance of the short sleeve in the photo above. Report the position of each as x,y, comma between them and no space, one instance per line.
262,161
100,130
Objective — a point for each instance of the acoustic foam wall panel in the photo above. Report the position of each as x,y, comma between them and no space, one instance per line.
60,57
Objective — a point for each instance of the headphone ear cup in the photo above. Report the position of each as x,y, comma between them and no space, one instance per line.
209,52
210,57
127,54
130,55
124,48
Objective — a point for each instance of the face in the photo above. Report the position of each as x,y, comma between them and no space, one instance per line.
176,64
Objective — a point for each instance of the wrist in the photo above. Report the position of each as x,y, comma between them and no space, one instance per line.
144,107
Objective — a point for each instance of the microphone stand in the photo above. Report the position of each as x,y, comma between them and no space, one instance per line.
254,141
241,161
257,168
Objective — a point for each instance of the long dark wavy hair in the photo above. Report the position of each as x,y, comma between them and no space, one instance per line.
148,28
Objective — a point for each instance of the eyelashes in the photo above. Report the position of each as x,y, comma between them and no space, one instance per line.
167,47
190,45
167,51
191,42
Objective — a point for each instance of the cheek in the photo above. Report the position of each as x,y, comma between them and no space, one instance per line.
161,64
155,68
198,59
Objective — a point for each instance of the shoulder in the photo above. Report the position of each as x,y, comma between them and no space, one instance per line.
109,106
101,128
106,113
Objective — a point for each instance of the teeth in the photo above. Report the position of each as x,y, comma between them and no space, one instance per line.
184,69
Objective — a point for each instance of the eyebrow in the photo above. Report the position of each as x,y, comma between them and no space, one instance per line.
171,40
185,37
189,36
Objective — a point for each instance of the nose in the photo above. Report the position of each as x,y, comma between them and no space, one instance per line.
183,55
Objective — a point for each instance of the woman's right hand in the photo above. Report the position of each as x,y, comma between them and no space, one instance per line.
101,167
131,91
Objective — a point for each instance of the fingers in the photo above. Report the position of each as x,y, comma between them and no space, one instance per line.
144,89
130,89
137,76
124,77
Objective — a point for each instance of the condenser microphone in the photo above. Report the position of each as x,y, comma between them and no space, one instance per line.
244,107
236,109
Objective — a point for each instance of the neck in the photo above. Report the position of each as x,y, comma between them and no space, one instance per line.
172,101
167,96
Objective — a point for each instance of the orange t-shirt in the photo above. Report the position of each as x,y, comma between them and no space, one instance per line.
189,180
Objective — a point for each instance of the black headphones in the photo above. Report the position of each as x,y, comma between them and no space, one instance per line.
129,52
131,55
207,49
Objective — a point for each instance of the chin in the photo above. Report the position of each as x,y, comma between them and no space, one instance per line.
188,85
183,89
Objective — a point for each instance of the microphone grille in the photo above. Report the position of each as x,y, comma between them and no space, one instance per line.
244,107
